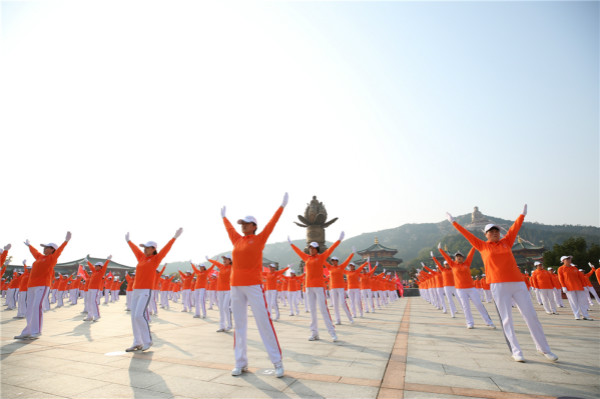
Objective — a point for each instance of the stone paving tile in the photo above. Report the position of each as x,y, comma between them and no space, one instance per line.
121,391
319,389
10,391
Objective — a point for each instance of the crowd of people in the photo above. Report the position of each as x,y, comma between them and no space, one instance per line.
240,281
506,285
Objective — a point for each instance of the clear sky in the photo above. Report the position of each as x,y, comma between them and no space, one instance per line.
120,116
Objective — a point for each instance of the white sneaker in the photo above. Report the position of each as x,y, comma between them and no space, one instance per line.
470,327
337,323
493,327
35,336
314,338
88,319
134,348
239,370
550,356
146,346
24,336
334,337
221,330
196,316
518,358
279,371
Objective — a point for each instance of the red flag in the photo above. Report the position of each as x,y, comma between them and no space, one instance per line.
80,272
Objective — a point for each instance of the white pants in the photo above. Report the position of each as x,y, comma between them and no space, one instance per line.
355,302
504,294
316,295
558,297
11,298
22,304
93,309
448,291
186,302
294,300
272,303
547,298
253,295
73,296
224,301
579,303
199,294
338,298
367,297
35,315
128,300
140,299
439,293
464,295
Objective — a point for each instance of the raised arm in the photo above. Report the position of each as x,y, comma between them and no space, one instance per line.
301,254
511,235
139,255
280,272
264,235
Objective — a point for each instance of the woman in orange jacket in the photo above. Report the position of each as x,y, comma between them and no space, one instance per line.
95,284
246,288
572,283
224,291
145,275
42,271
507,284
337,285
271,277
315,292
200,289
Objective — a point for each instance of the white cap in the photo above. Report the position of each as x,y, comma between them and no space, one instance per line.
51,245
458,253
149,244
314,244
565,257
334,258
549,268
228,256
483,275
351,264
445,262
98,264
272,265
247,219
490,226
536,263
580,270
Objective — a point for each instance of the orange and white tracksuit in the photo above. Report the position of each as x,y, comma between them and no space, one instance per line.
223,294
128,291
315,290
365,289
200,290
557,289
247,289
541,280
572,282
507,285
337,289
438,289
353,286
186,291
42,271
465,288
447,286
271,279
95,285
22,302
145,275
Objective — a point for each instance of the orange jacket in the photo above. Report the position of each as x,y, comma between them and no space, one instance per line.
271,278
187,280
499,261
437,278
542,279
313,268
447,276
461,271
570,278
353,277
145,271
365,279
2,260
129,282
201,277
42,270
224,276
247,252
336,273
95,281
24,280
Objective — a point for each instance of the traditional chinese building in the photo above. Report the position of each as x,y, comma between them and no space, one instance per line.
526,253
386,259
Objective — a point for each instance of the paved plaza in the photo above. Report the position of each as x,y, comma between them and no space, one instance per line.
406,350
